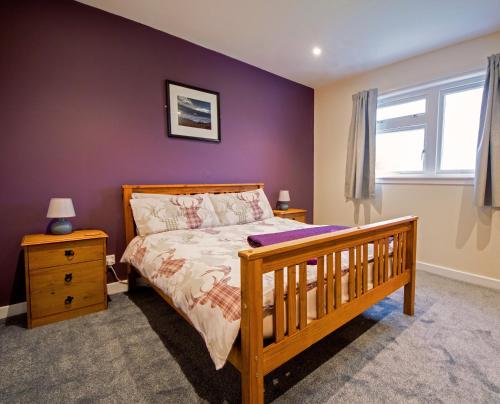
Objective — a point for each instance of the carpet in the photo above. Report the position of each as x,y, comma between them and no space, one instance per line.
141,351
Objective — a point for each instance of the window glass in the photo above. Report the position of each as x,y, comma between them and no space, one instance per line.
400,151
403,109
460,127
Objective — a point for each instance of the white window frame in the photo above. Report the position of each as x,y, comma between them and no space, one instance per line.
431,121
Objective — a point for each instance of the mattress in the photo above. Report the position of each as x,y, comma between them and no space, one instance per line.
200,271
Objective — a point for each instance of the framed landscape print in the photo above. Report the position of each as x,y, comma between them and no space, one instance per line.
192,113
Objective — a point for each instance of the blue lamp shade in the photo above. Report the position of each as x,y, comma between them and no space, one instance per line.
60,209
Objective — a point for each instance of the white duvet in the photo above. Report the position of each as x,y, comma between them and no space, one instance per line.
200,271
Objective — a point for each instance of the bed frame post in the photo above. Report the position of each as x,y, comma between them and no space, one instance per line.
411,258
131,278
252,377
129,231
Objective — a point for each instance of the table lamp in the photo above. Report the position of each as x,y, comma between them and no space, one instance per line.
60,209
283,199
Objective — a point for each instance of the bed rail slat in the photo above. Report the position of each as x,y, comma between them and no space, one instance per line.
302,295
380,255
404,252
351,274
395,256
381,261
291,300
365,268
330,297
279,314
320,290
375,263
359,271
401,252
338,279
386,259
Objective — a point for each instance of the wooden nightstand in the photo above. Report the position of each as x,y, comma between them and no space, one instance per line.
294,214
65,275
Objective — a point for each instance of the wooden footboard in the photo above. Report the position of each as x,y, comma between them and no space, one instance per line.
256,359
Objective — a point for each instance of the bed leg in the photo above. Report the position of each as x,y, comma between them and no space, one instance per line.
252,389
131,278
411,257
409,298
252,377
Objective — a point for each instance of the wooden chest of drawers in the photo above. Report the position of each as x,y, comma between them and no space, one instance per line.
294,214
65,275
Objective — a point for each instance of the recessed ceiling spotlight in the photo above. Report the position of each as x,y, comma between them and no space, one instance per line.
316,51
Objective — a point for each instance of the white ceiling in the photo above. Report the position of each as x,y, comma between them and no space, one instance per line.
278,35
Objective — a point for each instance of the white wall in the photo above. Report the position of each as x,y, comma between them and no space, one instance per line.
452,232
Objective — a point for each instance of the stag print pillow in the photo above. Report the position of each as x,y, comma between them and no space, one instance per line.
173,212
242,207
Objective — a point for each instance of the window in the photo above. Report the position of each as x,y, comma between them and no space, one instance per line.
429,132
460,125
409,145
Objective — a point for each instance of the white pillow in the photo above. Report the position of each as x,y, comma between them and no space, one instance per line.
241,207
173,212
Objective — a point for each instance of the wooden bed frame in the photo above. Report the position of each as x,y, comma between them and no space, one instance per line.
251,357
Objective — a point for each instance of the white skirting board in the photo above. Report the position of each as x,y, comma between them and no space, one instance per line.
117,287
20,308
12,310
466,277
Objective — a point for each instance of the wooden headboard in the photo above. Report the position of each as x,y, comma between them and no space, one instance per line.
174,189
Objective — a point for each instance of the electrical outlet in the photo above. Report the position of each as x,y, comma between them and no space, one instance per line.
110,259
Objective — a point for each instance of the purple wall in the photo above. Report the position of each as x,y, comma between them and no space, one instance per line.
81,112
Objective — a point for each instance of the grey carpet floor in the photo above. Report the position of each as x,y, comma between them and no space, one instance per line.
141,351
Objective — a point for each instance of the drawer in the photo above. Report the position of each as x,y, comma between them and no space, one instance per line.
51,255
65,288
298,218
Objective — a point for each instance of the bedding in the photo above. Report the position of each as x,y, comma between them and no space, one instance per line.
200,271
261,240
173,212
241,207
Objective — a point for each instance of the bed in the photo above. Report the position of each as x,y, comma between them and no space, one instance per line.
255,320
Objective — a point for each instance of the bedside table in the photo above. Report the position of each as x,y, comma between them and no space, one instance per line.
65,275
294,214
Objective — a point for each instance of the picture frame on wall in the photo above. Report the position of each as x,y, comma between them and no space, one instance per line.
192,112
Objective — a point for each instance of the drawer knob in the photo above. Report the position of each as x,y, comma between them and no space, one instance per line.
68,278
68,300
69,253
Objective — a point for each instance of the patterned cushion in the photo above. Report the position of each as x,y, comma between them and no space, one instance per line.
242,207
173,212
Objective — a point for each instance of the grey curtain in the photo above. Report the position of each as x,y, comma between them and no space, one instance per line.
360,164
487,179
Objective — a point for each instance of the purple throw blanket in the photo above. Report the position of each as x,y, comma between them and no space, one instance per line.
261,240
